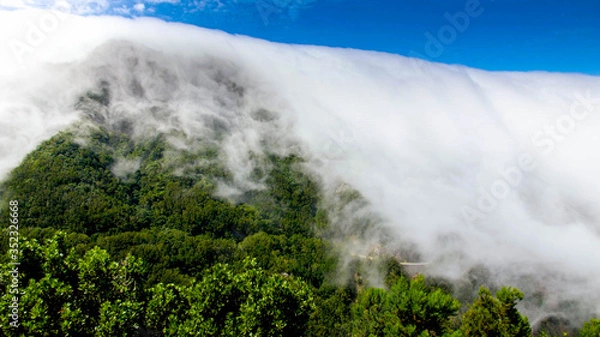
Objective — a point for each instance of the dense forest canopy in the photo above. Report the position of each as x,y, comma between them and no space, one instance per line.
124,237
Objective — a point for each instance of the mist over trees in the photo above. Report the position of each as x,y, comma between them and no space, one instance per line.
330,166
149,251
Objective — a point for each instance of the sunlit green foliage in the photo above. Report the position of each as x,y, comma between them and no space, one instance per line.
496,316
229,302
409,308
95,295
297,255
173,256
151,251
67,294
65,185
591,328
332,316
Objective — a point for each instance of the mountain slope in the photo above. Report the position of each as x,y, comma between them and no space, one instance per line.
465,169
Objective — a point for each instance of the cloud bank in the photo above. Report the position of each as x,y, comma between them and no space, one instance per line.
475,168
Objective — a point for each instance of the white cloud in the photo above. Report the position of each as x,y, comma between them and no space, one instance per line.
12,4
162,1
82,7
205,5
86,7
268,9
139,7
123,10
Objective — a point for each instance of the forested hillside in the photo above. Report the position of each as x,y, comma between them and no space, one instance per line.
128,238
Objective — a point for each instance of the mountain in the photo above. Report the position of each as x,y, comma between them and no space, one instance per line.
481,178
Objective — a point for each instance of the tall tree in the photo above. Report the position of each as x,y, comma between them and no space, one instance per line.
409,308
498,316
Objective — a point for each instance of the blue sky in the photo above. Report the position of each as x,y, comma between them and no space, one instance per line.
559,35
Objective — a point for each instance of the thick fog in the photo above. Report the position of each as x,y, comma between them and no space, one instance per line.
495,170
